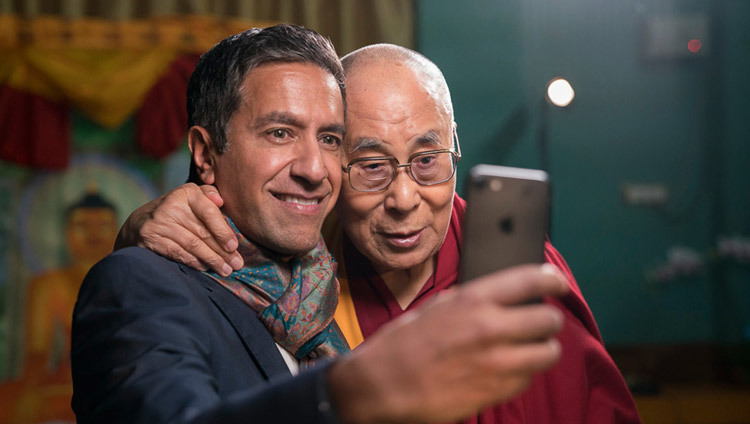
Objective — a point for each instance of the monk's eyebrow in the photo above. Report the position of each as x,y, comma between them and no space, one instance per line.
367,143
277,118
430,138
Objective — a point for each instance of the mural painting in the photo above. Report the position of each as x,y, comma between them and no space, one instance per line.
66,222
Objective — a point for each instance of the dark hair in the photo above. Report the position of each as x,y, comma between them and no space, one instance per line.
213,93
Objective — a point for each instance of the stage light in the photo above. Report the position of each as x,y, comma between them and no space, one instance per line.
559,92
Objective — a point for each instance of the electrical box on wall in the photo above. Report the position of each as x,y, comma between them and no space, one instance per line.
645,194
675,37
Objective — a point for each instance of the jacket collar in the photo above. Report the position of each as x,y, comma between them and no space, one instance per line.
255,337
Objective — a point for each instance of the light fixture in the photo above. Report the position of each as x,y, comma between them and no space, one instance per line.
559,92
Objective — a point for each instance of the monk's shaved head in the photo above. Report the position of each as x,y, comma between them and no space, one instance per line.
429,75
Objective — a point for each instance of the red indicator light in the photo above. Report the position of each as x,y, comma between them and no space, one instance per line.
694,45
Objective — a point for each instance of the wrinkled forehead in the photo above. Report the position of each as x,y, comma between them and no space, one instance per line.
388,104
393,91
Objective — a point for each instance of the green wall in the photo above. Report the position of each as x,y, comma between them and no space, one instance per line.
683,123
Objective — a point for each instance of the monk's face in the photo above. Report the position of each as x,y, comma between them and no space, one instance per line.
390,113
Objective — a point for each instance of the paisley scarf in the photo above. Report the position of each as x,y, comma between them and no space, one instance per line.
295,299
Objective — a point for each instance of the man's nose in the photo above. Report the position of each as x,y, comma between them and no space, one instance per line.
309,163
403,193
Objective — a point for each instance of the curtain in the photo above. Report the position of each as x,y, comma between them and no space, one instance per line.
114,59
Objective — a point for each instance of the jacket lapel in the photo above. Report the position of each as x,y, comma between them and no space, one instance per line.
256,338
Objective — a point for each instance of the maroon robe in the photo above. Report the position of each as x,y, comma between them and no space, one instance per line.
584,387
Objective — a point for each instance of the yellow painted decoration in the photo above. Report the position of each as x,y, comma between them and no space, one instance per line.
102,67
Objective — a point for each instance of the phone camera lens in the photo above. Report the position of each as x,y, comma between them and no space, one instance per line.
496,185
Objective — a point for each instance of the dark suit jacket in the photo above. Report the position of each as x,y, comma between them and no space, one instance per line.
155,341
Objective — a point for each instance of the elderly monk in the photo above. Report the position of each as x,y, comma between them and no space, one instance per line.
397,234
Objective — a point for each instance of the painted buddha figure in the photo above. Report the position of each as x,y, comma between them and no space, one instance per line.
44,388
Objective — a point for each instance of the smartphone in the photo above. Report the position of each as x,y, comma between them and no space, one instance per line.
507,219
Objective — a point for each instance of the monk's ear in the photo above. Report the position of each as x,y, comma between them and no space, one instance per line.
204,157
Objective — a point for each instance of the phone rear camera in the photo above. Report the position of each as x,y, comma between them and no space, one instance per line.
496,185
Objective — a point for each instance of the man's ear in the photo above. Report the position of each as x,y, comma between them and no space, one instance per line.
200,144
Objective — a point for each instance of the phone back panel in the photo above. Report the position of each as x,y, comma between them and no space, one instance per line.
507,218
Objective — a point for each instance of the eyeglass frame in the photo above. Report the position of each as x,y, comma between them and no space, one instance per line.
455,152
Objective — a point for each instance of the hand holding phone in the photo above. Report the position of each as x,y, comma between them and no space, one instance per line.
507,219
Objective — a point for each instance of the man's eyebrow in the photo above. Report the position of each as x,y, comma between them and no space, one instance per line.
334,128
288,119
277,118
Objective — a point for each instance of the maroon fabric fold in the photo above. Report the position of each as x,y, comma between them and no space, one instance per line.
161,121
35,131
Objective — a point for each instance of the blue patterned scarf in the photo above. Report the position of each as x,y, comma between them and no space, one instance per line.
295,299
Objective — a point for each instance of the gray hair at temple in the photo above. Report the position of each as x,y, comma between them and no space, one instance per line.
430,75
214,90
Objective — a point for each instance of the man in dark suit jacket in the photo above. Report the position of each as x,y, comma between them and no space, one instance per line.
157,342
154,341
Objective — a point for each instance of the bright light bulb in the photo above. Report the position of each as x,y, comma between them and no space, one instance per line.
559,92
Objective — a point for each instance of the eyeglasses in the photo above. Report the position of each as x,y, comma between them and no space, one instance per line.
426,168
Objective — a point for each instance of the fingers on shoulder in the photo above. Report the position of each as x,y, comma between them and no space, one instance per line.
210,223
212,194
188,206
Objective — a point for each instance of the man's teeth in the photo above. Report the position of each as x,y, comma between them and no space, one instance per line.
299,200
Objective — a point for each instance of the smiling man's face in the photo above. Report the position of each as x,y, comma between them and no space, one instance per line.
281,173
